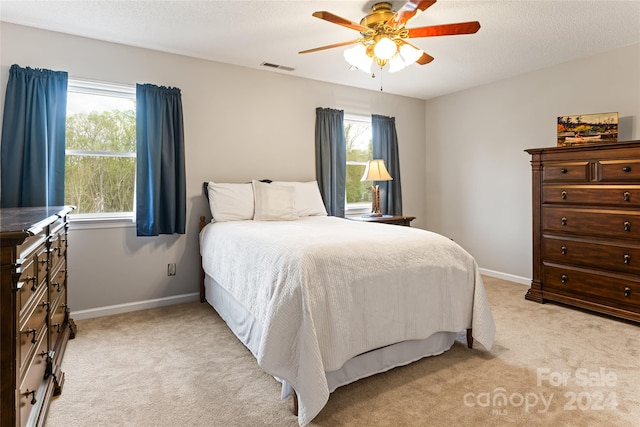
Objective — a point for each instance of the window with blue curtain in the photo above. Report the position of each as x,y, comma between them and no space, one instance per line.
331,159
33,138
160,173
385,147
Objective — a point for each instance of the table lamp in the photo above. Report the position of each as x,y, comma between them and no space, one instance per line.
375,171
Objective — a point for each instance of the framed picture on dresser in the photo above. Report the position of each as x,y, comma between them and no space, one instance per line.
583,129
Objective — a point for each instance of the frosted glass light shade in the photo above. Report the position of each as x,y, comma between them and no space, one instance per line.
410,54
396,64
385,48
357,57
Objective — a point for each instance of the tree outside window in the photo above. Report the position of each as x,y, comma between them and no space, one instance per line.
358,138
100,150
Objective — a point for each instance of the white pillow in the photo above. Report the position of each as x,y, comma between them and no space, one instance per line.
273,202
307,198
231,202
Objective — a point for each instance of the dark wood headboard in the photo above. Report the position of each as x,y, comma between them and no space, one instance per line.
205,189
203,222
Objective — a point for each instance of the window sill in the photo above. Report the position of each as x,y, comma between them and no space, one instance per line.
358,209
90,222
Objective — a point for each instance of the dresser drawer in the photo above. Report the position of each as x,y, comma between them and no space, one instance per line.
618,170
603,256
32,381
619,291
57,281
58,315
614,195
591,222
42,263
58,250
27,283
32,326
566,172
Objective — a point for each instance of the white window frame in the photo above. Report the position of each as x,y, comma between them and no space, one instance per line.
111,219
356,208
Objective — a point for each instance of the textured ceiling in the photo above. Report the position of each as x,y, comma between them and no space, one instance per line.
515,36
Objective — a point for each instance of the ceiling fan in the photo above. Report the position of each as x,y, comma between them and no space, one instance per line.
384,36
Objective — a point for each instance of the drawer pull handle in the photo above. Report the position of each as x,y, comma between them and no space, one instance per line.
626,196
34,334
43,262
564,278
56,285
57,327
563,195
563,170
33,282
627,226
627,291
563,250
627,259
626,169
45,304
33,396
563,220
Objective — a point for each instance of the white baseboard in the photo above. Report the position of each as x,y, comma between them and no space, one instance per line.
134,306
510,277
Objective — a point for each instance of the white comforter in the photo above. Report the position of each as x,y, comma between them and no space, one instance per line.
325,289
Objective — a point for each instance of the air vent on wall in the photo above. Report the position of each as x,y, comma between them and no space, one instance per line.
279,67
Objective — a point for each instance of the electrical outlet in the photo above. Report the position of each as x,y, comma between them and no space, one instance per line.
171,269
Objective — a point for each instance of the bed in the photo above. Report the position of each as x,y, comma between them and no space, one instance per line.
322,301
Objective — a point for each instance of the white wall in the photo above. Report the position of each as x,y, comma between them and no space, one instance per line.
479,177
240,124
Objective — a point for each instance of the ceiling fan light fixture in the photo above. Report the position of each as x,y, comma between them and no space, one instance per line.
385,48
384,34
357,57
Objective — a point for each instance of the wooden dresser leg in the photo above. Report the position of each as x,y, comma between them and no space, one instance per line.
73,329
295,404
469,338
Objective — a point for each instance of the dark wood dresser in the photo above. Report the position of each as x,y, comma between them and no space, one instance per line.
34,317
586,227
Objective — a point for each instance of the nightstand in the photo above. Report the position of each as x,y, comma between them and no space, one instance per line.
385,219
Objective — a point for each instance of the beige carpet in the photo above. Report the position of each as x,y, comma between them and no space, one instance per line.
181,366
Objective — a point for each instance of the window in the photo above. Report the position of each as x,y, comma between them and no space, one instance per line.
357,132
100,155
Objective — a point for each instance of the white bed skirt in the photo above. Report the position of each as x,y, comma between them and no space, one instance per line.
249,331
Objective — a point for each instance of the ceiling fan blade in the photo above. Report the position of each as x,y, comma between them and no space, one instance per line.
328,16
424,59
445,30
409,10
331,46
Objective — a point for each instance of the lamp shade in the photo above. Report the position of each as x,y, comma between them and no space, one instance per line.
357,57
410,54
385,48
376,171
